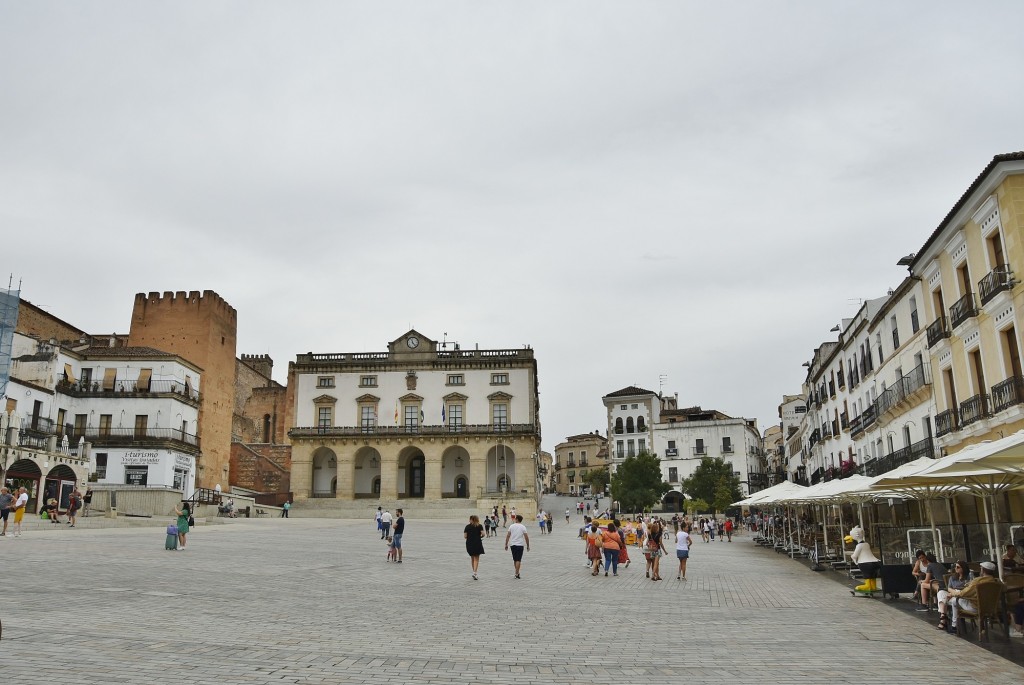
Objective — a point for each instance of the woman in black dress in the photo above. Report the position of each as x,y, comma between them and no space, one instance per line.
474,534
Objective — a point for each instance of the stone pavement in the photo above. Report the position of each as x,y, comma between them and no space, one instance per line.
313,601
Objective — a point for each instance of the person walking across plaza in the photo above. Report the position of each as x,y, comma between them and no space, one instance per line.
504,516
376,517
285,508
682,551
594,542
517,539
399,532
567,515
540,522
611,543
656,548
20,503
728,529
548,521
473,533
385,524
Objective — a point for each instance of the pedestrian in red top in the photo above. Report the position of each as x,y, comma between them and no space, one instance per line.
728,529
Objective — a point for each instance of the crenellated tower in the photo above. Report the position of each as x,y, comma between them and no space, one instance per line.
202,328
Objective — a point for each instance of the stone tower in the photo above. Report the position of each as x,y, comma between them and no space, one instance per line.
202,329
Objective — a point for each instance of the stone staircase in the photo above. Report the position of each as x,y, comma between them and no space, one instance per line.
414,508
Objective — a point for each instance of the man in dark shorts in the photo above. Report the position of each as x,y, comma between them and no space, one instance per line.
399,531
6,506
517,539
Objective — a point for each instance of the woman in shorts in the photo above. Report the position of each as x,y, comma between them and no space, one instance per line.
682,551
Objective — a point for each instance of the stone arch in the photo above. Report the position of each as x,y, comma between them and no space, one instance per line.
412,473
365,472
455,465
325,472
673,501
59,484
25,473
501,469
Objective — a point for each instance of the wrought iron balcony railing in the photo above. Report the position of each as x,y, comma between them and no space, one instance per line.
937,330
440,429
973,409
995,282
964,308
123,387
1008,393
946,422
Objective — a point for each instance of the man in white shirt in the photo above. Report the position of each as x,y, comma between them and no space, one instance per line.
516,538
385,524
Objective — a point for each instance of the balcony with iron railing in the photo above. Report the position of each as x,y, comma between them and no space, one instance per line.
1007,393
995,282
974,409
39,426
869,416
758,481
903,388
701,451
125,388
855,426
131,437
946,422
485,429
937,330
905,455
964,308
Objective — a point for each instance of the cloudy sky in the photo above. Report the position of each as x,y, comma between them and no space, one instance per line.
634,189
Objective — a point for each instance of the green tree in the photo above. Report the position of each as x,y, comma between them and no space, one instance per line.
715,483
597,480
637,483
695,505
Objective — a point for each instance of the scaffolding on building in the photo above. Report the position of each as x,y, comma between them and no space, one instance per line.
9,300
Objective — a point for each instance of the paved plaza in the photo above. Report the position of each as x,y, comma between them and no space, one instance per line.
313,601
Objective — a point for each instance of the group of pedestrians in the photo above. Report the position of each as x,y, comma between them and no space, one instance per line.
393,538
517,541
709,526
15,502
608,544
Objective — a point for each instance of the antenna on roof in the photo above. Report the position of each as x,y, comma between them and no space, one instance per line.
662,377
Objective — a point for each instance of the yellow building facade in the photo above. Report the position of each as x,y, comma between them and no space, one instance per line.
971,269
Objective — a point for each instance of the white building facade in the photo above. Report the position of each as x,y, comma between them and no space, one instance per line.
128,415
642,421
424,421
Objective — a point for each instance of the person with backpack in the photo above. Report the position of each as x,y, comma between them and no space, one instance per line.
74,504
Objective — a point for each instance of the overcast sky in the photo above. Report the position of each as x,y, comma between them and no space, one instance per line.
634,189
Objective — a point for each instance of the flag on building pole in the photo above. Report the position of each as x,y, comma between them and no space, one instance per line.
442,413
396,412
421,416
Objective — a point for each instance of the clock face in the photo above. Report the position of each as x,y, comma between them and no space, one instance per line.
413,342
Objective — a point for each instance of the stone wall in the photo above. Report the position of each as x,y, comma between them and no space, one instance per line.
258,401
34,321
261,468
